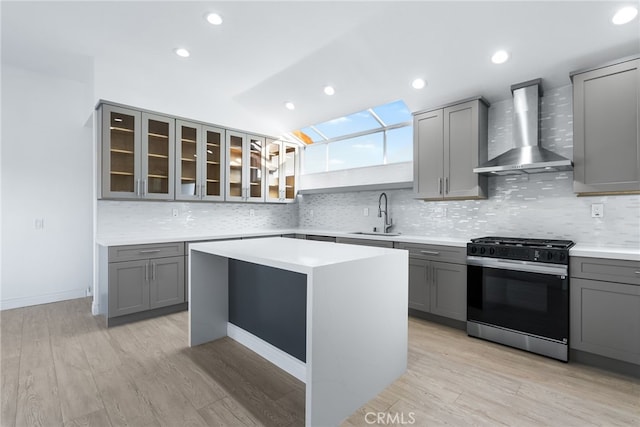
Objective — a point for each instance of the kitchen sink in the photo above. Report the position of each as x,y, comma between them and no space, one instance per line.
374,233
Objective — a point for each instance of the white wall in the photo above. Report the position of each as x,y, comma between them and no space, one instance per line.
47,174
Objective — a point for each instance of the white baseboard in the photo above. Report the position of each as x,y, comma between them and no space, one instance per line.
282,360
9,303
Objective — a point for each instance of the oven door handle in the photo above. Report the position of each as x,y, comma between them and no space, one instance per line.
524,266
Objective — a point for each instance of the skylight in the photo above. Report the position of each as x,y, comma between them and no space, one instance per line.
383,116
376,136
347,125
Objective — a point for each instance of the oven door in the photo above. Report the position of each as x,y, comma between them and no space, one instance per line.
522,296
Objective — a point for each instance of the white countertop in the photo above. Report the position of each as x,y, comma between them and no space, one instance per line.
609,252
237,234
583,250
290,254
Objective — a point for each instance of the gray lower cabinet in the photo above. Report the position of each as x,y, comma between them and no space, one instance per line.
606,131
321,238
437,280
365,242
605,308
145,277
449,143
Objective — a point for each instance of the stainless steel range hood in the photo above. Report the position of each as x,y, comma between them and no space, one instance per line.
527,156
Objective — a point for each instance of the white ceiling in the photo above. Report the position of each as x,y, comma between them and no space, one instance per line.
265,53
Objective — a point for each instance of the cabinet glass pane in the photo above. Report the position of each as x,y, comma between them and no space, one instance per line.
122,132
235,166
188,159
256,147
158,157
273,169
290,172
212,169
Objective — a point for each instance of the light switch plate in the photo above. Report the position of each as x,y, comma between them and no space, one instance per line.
365,212
597,210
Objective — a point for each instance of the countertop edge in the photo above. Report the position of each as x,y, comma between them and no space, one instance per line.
579,250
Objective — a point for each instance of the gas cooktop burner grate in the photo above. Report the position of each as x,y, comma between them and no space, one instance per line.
514,241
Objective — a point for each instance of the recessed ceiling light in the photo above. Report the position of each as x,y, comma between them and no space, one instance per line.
329,90
624,15
182,52
500,57
418,83
289,105
214,19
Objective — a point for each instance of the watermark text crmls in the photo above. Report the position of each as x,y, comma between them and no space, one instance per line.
388,418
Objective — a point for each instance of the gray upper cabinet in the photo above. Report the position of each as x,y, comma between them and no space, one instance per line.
245,167
606,147
281,169
137,154
200,162
449,143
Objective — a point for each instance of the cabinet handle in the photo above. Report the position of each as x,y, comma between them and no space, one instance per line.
637,272
203,191
138,187
146,272
153,271
446,185
439,185
430,252
145,187
149,251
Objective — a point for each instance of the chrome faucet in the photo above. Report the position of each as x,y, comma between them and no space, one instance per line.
387,224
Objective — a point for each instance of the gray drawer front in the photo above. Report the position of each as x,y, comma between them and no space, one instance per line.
435,252
365,242
155,250
609,270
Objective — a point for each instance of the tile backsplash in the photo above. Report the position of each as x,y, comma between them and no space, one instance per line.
130,219
538,206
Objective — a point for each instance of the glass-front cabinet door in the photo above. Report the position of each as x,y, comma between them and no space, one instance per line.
281,168
213,171
120,152
199,162
245,167
235,160
188,145
256,168
157,157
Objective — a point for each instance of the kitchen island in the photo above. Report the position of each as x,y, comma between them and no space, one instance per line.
353,300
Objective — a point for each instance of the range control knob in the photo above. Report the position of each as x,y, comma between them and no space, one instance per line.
492,251
549,256
563,256
483,250
474,249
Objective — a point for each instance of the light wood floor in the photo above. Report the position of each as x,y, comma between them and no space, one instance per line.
60,367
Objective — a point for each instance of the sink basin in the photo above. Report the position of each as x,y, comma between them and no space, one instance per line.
374,233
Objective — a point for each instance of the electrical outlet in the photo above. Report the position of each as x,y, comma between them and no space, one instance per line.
174,212
252,212
365,212
597,210
38,223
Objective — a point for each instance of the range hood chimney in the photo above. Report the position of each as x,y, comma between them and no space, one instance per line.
527,156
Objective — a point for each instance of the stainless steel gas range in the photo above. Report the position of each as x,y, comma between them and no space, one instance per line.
518,293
